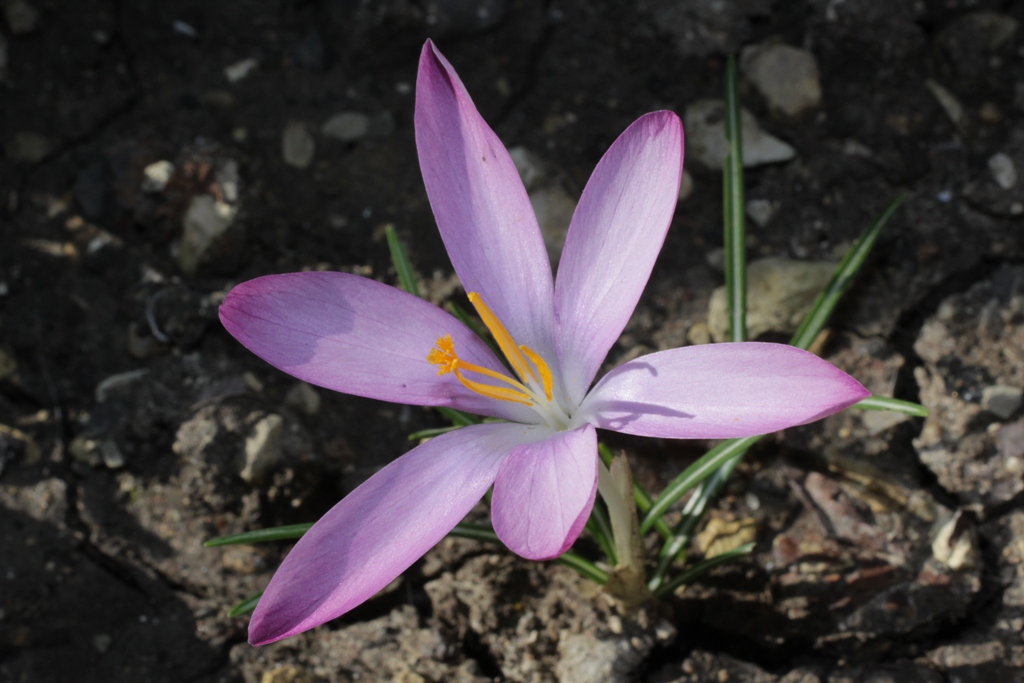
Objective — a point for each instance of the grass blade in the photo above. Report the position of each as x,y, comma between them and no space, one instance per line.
278,533
400,259
894,404
246,606
733,208
483,532
814,322
699,570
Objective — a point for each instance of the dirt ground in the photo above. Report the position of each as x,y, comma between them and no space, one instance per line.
154,154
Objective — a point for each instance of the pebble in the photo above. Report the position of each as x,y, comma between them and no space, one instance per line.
1003,170
102,642
531,167
22,17
240,70
297,145
787,78
685,186
205,220
954,544
304,398
113,458
779,293
156,175
27,147
554,208
262,449
760,211
141,344
1001,400
115,383
705,137
347,126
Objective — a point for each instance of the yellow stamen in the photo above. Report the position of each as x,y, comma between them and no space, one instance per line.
542,368
504,339
444,356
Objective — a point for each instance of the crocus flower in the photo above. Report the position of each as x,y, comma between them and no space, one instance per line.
358,336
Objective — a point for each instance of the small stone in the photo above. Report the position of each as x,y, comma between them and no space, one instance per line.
1001,400
286,674
685,186
102,642
531,168
761,211
1003,170
22,18
262,449
705,137
304,398
554,208
156,175
954,544
786,77
347,126
30,148
143,345
111,454
950,104
720,536
85,450
779,293
297,145
878,421
205,220
698,333
240,70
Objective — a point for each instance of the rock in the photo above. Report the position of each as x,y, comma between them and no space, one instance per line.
1003,170
585,658
685,186
156,175
761,211
956,544
240,70
304,398
554,208
85,450
297,145
698,333
111,454
779,293
102,642
531,167
286,674
786,77
1001,400
22,18
205,220
347,126
705,137
720,536
30,148
262,449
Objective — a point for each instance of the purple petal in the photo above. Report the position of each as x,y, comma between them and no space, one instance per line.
377,531
481,206
358,336
613,241
544,493
719,391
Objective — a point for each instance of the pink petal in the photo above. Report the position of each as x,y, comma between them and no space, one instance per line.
358,336
719,391
613,241
544,493
377,531
481,207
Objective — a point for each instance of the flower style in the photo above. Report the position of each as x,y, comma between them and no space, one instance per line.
358,336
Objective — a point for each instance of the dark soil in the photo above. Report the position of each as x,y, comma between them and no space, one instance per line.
886,551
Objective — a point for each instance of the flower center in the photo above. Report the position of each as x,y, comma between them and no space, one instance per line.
534,386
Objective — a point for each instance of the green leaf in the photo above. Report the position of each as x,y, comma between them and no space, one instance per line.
483,532
894,404
601,529
734,210
246,606
815,320
457,417
400,259
695,474
702,568
278,533
431,433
